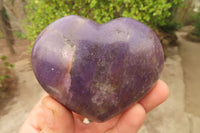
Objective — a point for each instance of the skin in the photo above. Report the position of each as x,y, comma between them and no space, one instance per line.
48,116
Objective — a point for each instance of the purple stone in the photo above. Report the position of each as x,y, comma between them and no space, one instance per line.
97,70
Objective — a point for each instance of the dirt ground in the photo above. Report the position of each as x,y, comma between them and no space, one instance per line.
21,53
191,68
27,92
180,113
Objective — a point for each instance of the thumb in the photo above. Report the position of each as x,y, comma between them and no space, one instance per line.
58,118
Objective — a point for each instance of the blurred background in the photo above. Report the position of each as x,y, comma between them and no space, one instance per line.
176,22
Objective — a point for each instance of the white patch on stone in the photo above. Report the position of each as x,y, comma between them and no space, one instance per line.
106,93
68,52
86,121
67,84
55,90
128,36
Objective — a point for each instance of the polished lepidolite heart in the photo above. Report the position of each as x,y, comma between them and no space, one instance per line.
97,70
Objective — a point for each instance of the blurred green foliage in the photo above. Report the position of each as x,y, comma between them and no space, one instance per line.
5,72
155,13
1,34
197,24
19,35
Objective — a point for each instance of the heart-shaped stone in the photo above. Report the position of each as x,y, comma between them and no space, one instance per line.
97,70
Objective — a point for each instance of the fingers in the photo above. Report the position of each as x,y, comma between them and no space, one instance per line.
130,121
59,119
156,96
35,120
49,117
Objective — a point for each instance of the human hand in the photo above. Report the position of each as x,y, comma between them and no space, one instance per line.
49,116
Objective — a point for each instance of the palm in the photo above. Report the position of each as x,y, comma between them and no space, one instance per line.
129,121
94,127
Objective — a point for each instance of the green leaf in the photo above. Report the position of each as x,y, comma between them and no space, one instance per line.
6,64
3,57
93,3
125,14
7,76
2,77
12,66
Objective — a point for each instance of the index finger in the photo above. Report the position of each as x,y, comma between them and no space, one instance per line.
158,94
